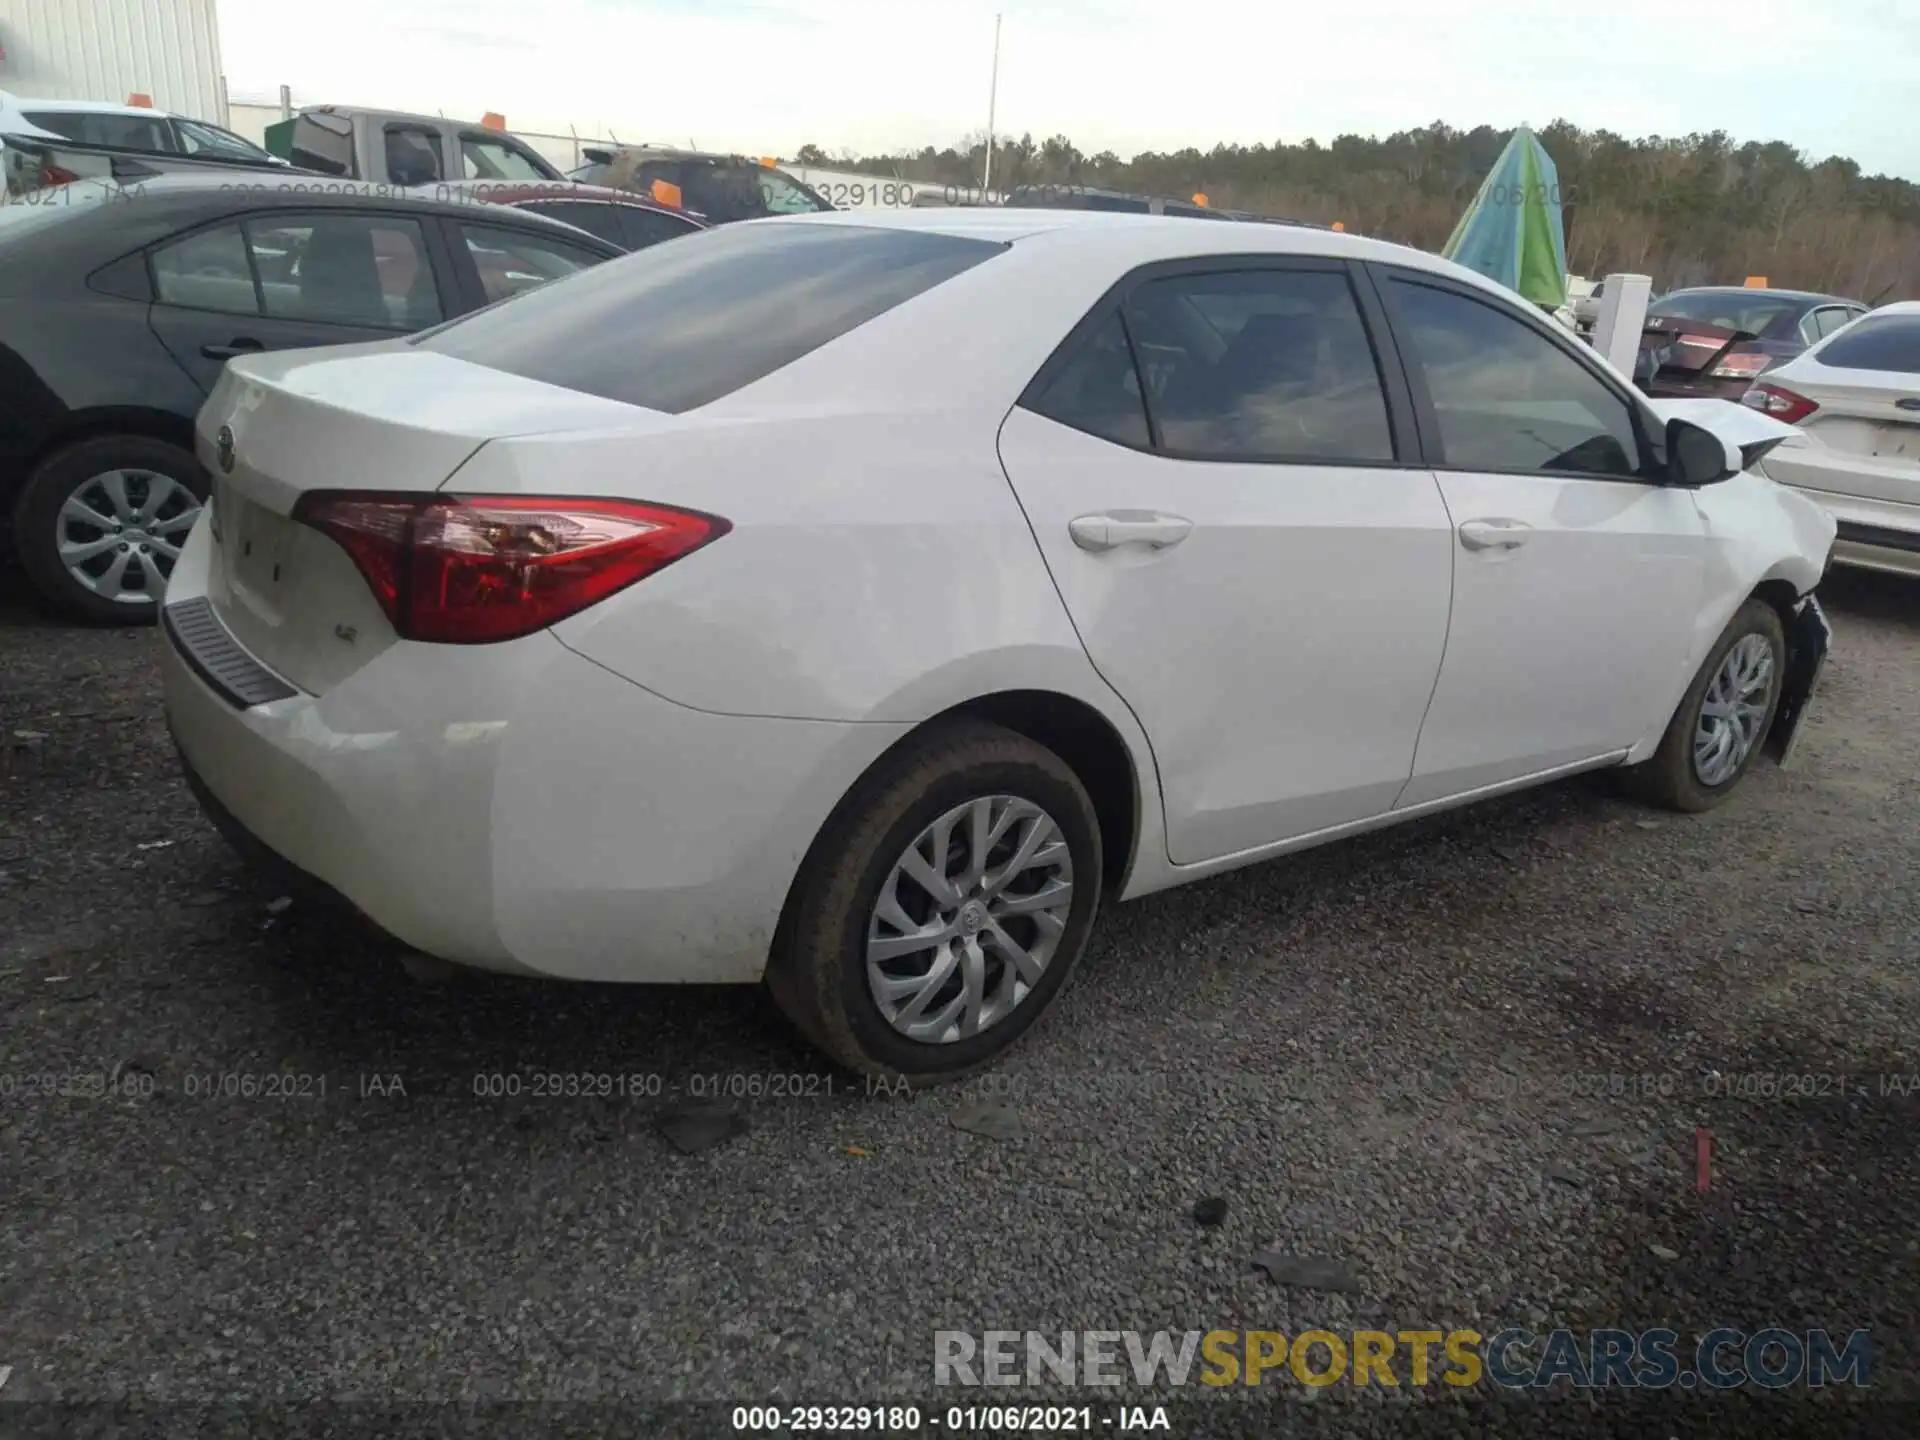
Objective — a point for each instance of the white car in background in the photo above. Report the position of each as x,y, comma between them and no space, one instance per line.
856,601
1855,398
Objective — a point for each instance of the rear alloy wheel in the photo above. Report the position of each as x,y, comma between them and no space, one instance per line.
942,907
100,524
1721,725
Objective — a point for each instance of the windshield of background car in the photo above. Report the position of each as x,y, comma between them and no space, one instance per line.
1879,342
676,326
1733,310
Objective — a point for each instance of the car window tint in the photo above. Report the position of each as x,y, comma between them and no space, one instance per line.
650,227
206,271
1829,320
484,159
1098,389
672,327
1260,364
413,156
1507,397
780,195
595,217
1879,342
364,270
511,263
126,132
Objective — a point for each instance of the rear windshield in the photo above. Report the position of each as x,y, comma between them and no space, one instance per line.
1879,342
676,326
126,132
1770,317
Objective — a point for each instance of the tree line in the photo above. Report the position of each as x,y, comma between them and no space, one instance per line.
1695,210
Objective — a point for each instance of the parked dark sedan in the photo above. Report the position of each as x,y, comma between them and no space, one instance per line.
1712,342
619,217
120,305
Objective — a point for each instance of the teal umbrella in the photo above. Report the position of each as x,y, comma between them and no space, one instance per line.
1513,232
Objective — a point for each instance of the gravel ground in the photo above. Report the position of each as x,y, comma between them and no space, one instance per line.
1400,1054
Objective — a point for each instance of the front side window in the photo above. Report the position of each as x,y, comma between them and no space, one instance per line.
483,158
1508,398
369,271
1098,389
206,271
676,326
1260,365
511,262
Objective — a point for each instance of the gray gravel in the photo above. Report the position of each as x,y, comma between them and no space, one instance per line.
1375,1053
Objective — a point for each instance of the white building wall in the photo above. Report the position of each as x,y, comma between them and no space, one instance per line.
106,50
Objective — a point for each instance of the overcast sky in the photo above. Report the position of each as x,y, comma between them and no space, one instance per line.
765,76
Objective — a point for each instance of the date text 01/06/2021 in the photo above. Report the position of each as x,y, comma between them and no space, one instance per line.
958,1419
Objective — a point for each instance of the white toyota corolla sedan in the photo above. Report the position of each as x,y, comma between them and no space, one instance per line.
857,601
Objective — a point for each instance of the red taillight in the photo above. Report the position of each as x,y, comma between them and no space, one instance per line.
473,569
51,174
1779,402
1741,365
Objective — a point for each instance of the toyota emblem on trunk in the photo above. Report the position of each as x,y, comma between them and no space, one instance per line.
223,449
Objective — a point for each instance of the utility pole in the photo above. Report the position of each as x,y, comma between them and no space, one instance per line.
993,95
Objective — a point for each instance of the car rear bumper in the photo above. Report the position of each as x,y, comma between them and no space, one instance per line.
517,807
1874,534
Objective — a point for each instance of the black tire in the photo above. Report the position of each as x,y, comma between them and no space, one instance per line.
36,520
818,973
1669,777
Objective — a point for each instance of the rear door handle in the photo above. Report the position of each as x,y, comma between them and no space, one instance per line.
239,346
1111,529
1494,534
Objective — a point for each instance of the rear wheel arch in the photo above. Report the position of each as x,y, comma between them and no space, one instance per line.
99,424
1079,734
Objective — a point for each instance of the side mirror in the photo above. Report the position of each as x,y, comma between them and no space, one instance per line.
1696,456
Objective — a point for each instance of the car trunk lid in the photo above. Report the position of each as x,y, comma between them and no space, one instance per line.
1871,417
383,417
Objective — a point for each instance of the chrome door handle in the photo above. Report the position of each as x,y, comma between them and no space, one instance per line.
1494,534
1113,528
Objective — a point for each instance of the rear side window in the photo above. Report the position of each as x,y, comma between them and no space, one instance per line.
1260,365
1879,342
642,228
1098,389
207,271
511,262
677,326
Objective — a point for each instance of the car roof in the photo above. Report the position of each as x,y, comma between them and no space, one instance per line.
83,107
518,192
144,212
1811,297
1157,236
382,116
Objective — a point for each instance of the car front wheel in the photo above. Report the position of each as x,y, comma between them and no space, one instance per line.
1717,733
100,524
942,907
